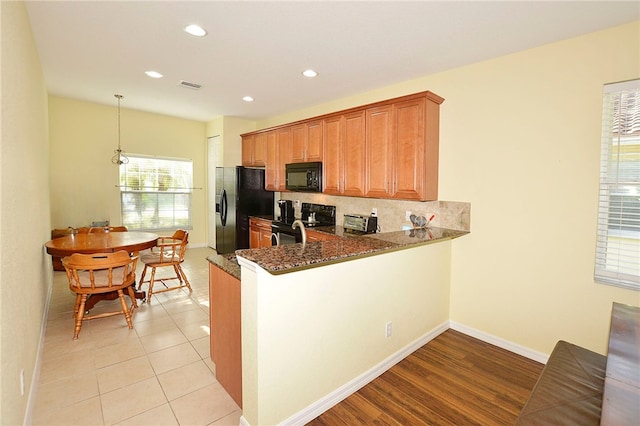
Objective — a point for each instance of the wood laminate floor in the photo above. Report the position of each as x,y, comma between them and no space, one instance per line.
453,380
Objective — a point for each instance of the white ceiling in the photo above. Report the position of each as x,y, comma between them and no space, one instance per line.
91,50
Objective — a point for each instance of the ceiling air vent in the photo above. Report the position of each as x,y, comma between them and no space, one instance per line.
189,85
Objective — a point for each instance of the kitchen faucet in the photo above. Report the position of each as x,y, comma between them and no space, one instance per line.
299,223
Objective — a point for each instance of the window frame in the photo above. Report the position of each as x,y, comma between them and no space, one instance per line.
168,180
617,260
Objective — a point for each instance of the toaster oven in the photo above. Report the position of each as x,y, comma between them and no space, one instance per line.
360,223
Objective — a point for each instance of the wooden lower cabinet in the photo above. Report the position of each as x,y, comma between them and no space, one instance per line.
319,236
226,332
259,233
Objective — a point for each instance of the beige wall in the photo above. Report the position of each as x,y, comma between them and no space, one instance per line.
519,140
307,335
25,271
229,129
83,138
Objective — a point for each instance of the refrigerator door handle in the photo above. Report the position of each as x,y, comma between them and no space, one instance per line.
223,207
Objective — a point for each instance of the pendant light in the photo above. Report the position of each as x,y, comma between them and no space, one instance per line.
119,158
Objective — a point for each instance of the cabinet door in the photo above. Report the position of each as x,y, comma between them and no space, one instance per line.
271,163
299,143
332,164
380,155
265,238
410,149
254,237
314,141
284,157
260,150
247,150
354,154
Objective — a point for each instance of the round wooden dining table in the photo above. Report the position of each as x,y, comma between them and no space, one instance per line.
102,242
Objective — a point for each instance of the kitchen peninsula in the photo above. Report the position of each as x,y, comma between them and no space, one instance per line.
319,321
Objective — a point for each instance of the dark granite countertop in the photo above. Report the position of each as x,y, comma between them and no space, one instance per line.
288,258
226,262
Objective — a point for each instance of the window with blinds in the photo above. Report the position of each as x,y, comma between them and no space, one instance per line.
155,193
618,240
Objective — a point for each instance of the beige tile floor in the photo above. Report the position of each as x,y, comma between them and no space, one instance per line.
159,373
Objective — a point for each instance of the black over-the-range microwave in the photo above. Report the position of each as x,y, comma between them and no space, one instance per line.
304,177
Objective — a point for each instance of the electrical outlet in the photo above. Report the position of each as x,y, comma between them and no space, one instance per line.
387,331
407,215
374,211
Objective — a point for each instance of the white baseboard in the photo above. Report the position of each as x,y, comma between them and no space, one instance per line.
314,410
198,245
35,378
499,342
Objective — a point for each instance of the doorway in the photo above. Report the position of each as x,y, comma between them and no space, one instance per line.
214,155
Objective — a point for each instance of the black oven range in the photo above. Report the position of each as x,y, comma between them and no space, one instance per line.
312,215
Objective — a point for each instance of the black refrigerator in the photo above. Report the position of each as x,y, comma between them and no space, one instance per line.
240,193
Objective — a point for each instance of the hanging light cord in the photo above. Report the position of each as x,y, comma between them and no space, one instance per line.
119,158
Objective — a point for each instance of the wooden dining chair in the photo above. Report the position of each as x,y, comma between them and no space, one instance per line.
169,252
107,229
101,273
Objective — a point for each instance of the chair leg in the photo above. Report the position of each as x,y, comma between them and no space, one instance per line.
132,296
181,273
153,276
144,272
79,316
125,309
77,304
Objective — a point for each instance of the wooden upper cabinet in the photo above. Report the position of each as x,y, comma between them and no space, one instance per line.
254,150
299,137
283,142
402,149
343,168
278,154
315,142
271,163
415,175
248,143
332,144
380,152
387,149
354,148
307,142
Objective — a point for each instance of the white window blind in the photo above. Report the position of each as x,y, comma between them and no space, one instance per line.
618,240
155,193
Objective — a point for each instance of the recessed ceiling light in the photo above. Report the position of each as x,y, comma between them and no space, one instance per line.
153,74
195,30
247,99
309,73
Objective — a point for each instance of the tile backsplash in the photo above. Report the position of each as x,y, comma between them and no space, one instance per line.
391,213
